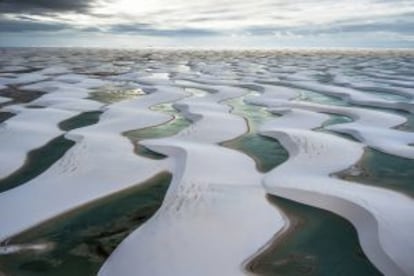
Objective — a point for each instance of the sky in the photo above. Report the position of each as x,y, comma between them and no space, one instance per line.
208,23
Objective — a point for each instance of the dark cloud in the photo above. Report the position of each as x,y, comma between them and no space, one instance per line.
91,30
7,25
217,17
26,24
44,6
18,18
146,29
399,24
265,30
369,28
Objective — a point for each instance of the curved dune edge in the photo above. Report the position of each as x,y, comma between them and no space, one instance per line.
102,164
315,156
352,95
214,215
372,127
365,223
393,85
305,178
15,140
62,101
90,169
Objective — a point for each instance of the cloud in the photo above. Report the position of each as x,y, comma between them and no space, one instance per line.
149,30
280,19
18,26
44,6
399,24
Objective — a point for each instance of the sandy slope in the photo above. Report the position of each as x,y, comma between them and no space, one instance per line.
102,162
215,215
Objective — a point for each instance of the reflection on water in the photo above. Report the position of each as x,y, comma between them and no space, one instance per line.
255,115
167,129
383,170
319,98
18,95
37,161
409,124
5,116
336,119
111,94
317,242
85,237
81,120
267,152
40,159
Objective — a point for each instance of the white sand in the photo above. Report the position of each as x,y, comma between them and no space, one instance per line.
313,157
372,127
28,130
214,216
101,163
353,96
33,128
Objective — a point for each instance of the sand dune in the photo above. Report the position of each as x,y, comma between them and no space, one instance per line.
324,108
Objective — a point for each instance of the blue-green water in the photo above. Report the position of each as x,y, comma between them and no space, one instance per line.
40,159
383,170
37,161
85,237
409,124
318,242
111,94
267,152
170,128
336,119
19,96
5,116
319,98
81,120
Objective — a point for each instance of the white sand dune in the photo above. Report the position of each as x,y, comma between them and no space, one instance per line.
306,179
353,95
101,163
31,129
24,78
28,130
375,85
294,118
372,127
272,95
214,216
313,157
54,70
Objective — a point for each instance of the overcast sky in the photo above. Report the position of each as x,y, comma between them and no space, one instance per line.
208,23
